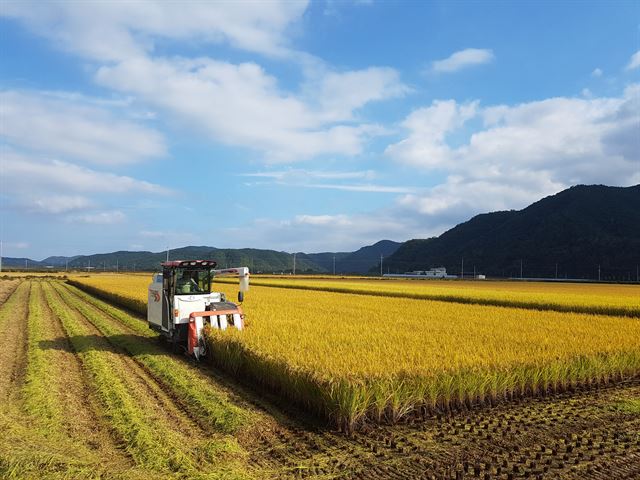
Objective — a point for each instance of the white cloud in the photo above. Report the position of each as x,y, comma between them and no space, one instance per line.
316,179
59,203
520,154
302,176
341,93
242,105
358,187
322,220
316,233
428,126
463,59
597,72
234,104
53,187
634,61
113,31
72,127
27,174
99,218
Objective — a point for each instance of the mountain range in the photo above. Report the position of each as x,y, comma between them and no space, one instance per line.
586,231
572,234
258,260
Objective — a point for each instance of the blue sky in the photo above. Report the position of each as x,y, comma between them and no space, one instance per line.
300,126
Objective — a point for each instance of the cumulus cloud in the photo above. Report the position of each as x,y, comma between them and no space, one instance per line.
113,31
23,172
520,154
463,59
426,145
52,187
234,104
71,126
597,72
634,61
341,93
240,104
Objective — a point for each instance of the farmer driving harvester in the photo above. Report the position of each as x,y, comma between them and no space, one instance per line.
188,282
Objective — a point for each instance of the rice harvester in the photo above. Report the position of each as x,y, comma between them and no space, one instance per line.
180,303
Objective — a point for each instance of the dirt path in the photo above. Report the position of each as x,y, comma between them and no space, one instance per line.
13,341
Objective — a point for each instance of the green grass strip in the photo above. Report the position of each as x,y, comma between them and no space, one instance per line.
39,379
196,392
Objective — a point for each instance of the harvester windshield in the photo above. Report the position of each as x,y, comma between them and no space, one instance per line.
190,281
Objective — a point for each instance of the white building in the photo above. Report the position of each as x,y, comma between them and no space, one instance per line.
438,272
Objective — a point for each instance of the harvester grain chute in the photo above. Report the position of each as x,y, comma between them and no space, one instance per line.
180,303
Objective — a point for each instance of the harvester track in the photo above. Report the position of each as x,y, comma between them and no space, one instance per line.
153,394
73,389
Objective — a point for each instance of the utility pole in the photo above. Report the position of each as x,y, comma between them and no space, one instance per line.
25,264
381,257
598,272
134,267
66,264
520,269
637,273
294,263
334,264
556,269
474,271
88,266
167,253
462,269
117,266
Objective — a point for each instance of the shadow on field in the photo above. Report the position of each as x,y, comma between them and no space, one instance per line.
126,344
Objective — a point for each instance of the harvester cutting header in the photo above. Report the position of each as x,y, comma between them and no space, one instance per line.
181,303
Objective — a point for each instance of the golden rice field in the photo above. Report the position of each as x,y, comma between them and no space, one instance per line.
353,358
607,299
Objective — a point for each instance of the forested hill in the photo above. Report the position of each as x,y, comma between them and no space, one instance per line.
577,230
358,262
258,260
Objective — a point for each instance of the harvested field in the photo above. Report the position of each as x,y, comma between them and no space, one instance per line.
223,428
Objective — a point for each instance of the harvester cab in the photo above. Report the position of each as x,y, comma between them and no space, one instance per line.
181,303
